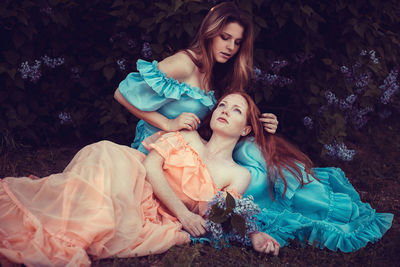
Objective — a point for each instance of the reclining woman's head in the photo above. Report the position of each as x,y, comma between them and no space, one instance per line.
237,114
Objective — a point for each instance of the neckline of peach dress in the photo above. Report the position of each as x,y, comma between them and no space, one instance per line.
186,144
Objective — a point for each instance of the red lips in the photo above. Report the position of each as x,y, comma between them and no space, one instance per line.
222,120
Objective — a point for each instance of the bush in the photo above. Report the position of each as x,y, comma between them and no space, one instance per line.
327,69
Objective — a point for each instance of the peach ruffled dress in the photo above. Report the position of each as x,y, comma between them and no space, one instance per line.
101,205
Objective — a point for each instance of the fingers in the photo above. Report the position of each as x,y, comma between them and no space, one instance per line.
270,122
270,246
270,130
195,225
270,116
277,247
191,121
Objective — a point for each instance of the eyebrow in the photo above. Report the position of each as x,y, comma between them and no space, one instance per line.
223,101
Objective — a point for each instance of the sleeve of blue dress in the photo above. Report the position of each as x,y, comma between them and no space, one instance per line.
326,212
149,89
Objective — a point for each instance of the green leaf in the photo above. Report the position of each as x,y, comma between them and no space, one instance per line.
178,4
260,21
162,5
281,21
117,3
12,73
239,224
18,39
109,72
307,10
188,28
217,214
327,61
11,56
98,65
230,201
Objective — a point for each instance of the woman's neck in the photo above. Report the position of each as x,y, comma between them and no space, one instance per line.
220,146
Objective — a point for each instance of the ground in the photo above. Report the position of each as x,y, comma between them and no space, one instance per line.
374,173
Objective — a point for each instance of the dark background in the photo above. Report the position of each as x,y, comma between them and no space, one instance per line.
335,62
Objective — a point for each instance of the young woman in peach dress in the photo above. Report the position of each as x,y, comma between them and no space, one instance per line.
113,201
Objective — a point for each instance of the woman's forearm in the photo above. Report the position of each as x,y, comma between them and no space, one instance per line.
161,188
152,117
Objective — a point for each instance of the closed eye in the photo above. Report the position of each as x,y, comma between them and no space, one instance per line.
237,110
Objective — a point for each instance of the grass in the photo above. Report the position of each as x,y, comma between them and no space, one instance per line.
374,173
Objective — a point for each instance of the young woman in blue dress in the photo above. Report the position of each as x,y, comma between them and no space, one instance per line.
180,90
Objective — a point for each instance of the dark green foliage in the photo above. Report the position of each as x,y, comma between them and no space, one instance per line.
96,38
227,218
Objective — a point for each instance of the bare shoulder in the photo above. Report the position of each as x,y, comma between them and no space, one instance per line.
190,136
178,66
240,178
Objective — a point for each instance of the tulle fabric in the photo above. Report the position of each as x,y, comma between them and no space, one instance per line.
327,213
150,89
100,205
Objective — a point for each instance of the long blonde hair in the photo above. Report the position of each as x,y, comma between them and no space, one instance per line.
235,74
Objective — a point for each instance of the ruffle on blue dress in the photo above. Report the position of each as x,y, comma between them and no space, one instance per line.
327,213
150,89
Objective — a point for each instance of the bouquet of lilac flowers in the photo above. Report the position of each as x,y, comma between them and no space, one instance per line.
230,219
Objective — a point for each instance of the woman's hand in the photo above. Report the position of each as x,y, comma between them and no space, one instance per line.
186,120
263,242
270,122
193,223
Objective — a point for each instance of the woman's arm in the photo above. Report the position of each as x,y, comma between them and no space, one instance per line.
152,117
179,67
191,222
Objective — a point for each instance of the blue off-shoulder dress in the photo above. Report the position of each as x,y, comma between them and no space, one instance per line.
149,89
327,213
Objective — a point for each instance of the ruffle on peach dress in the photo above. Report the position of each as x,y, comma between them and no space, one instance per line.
100,205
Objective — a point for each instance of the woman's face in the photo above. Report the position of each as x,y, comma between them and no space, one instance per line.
230,116
227,43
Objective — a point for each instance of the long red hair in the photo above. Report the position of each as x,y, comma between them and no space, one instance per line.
278,153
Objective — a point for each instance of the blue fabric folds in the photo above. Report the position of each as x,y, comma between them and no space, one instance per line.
327,213
150,89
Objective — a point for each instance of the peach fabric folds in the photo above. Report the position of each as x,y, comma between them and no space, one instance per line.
101,205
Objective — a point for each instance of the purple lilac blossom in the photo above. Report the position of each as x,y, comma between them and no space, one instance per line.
277,65
302,57
390,86
244,207
32,72
52,62
146,50
362,80
75,73
340,151
121,63
46,10
358,117
331,97
132,43
372,57
257,73
308,122
64,117
385,114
